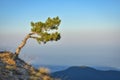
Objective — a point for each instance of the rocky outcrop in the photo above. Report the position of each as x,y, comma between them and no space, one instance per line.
19,70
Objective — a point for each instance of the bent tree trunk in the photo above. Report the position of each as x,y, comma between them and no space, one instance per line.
17,52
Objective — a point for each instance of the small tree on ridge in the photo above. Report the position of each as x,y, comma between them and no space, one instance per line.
42,32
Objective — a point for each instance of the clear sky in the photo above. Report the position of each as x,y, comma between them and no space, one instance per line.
90,31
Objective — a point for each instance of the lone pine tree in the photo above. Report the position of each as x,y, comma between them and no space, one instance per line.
43,32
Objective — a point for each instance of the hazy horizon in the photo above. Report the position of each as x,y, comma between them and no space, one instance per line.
90,31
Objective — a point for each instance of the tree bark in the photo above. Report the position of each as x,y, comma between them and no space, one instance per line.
17,52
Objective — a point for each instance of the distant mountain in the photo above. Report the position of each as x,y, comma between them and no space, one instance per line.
86,73
105,68
54,68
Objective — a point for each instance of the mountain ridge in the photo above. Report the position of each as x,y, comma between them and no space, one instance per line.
55,68
86,73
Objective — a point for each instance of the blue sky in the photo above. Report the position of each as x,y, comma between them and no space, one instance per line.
90,30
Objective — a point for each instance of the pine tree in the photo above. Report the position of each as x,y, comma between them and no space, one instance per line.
43,32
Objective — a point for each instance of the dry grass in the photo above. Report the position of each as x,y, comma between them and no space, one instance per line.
6,58
40,74
44,70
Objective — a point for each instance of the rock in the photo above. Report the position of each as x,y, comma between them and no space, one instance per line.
18,69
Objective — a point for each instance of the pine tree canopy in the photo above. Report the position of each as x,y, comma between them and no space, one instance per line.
45,30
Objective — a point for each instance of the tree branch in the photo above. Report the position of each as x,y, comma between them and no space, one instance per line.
34,37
